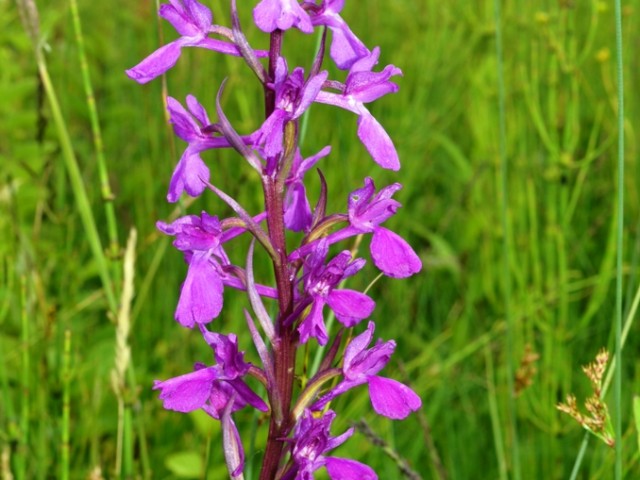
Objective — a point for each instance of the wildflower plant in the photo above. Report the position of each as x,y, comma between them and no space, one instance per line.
309,279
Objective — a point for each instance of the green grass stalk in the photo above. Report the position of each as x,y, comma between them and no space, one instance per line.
8,281
506,244
105,187
617,421
66,407
25,410
494,413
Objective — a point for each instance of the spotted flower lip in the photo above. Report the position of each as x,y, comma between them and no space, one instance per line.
361,366
194,22
311,440
349,306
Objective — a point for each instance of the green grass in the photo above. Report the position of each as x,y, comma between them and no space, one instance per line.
450,322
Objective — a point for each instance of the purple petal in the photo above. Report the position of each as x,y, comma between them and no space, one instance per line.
370,362
393,255
201,296
310,92
297,213
350,306
221,46
228,357
358,344
221,394
309,162
339,389
365,64
183,124
392,399
360,199
176,15
270,15
186,392
178,225
195,232
271,133
157,63
377,141
200,15
339,100
190,175
248,396
346,48
335,442
313,325
366,86
197,110
345,469
353,267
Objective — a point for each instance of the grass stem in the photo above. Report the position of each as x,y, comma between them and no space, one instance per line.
506,243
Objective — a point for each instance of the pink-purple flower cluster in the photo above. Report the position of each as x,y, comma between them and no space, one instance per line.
310,278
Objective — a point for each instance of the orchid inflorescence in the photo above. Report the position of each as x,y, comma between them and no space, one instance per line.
309,279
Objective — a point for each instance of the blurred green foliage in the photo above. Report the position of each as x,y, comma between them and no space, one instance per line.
449,321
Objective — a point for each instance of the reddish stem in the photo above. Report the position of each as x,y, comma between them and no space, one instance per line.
284,349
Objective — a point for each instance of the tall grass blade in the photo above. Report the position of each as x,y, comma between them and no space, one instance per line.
25,410
506,244
105,187
617,389
65,446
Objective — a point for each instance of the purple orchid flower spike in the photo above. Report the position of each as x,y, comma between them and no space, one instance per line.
346,48
270,15
390,252
191,174
297,212
294,95
194,22
364,86
201,295
311,440
361,365
212,388
349,306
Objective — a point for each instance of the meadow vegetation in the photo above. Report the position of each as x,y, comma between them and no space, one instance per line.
490,352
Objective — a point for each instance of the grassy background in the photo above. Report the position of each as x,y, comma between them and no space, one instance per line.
450,321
